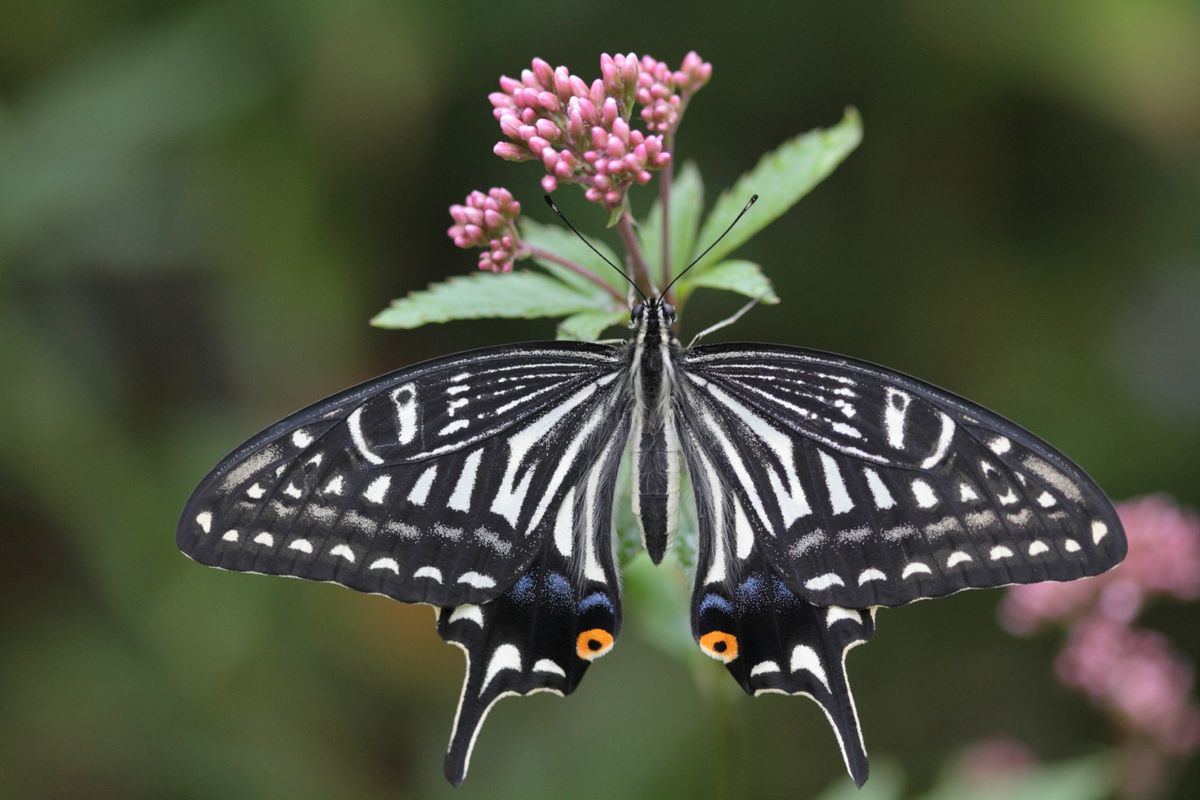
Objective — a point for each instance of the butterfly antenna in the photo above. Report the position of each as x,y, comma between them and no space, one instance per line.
584,239
697,259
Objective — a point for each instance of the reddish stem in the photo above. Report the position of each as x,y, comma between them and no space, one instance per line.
578,269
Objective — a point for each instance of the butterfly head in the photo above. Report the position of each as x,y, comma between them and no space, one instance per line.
655,312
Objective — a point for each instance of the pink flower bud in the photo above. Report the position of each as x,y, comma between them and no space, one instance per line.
549,158
548,130
579,87
510,152
543,72
492,219
616,147
620,128
595,195
562,84
643,177
510,126
609,112
529,79
500,100
509,85
549,101
549,183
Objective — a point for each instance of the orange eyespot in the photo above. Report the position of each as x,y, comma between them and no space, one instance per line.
720,645
593,643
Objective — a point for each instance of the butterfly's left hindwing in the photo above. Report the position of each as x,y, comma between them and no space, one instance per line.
438,483
544,631
865,487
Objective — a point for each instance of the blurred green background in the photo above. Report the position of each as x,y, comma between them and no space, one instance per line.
202,204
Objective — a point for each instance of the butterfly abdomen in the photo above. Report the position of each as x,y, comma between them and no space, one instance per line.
655,443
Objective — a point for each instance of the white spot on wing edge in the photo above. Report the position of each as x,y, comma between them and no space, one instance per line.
1038,547
1099,531
915,568
506,656
1000,445
956,558
466,611
1071,545
385,563
433,573
998,552
204,520
265,539
804,657
230,535
344,551
479,581
546,665
256,491
823,582
837,614
763,668
303,545
870,574
301,438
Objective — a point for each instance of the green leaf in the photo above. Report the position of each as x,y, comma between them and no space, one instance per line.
565,244
588,325
517,295
687,203
743,277
780,178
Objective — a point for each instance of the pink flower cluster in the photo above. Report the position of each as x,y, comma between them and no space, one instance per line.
581,132
487,220
1127,671
1135,674
664,93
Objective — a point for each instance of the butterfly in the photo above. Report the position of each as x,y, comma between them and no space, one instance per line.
483,484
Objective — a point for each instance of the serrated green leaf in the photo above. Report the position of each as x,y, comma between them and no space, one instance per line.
744,277
780,178
588,325
565,244
687,203
523,294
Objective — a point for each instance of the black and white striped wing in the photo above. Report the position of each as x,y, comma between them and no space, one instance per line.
864,487
438,483
745,615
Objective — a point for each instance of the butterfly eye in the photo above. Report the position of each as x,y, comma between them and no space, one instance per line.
593,643
669,312
720,645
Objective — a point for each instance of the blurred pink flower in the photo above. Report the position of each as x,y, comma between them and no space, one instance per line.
579,131
1135,674
995,759
1163,559
487,221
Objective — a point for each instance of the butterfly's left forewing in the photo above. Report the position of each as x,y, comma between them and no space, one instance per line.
435,484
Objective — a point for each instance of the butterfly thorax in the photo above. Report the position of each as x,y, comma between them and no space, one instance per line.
655,443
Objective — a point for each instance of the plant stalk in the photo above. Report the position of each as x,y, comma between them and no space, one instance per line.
641,272
578,269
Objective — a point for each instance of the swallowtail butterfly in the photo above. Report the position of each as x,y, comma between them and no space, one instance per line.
483,484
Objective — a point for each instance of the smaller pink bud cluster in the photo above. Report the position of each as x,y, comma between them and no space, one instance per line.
664,93
487,220
1132,673
579,132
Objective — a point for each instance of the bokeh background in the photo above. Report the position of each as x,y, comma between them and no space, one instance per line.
202,204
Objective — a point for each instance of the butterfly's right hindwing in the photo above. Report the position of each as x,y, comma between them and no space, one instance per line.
438,483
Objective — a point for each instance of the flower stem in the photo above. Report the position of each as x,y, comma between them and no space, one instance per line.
578,269
641,272
664,198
